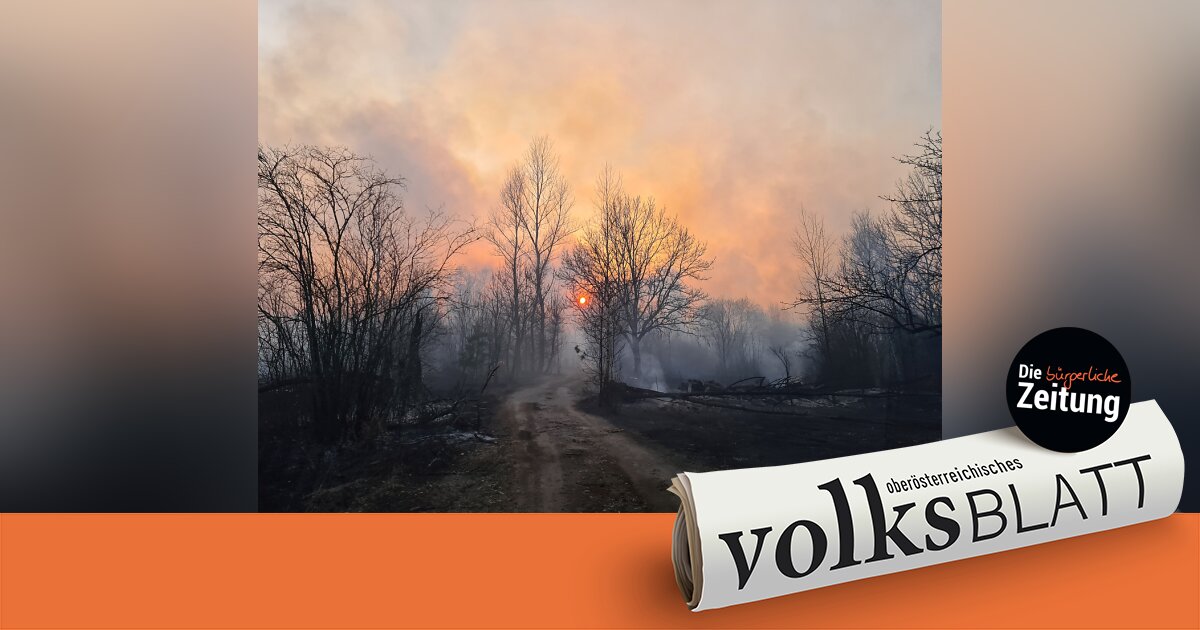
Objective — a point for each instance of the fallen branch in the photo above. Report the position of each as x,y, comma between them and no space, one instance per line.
459,435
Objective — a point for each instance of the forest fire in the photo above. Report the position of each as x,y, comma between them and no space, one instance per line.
450,316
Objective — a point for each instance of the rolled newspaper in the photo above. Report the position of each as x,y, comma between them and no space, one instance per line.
750,534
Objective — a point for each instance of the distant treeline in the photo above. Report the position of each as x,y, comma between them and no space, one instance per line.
874,297
362,306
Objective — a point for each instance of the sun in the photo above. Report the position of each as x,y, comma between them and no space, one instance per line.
582,300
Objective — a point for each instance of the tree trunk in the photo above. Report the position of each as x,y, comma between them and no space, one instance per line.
635,346
410,374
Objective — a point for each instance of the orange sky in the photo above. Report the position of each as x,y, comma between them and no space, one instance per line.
732,115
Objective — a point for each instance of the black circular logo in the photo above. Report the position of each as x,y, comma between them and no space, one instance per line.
1068,389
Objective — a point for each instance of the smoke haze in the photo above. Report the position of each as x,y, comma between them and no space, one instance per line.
731,115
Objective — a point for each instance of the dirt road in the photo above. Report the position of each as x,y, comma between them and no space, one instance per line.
534,448
566,460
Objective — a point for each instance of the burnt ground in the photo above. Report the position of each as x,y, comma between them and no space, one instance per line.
707,433
545,448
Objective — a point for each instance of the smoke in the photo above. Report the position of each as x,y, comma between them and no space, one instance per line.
652,377
731,115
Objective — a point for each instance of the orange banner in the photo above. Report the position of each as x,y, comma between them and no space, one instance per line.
537,571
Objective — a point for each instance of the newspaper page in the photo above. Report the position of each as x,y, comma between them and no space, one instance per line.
751,534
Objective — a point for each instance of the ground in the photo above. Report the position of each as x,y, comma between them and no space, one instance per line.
545,447
568,460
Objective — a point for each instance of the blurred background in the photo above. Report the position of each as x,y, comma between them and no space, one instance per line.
127,253
127,256
1072,136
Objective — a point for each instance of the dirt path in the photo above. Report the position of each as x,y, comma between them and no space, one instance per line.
567,460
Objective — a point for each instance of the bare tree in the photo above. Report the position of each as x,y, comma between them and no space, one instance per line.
555,330
784,356
658,259
879,306
463,346
593,275
897,282
547,202
633,248
506,232
526,231
346,281
782,338
913,229
733,328
815,250
494,326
